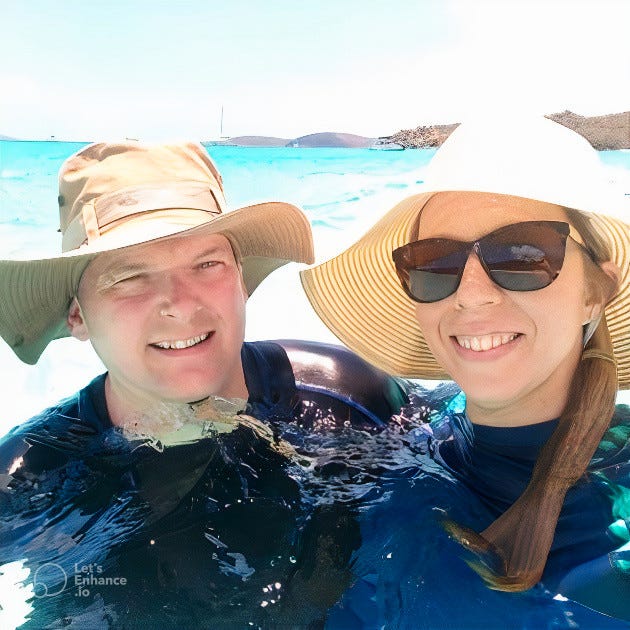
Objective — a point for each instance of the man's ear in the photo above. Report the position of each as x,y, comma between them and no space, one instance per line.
76,323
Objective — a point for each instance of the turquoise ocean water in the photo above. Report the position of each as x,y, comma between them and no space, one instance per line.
343,192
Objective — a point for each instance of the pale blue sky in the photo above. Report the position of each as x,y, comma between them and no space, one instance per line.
97,69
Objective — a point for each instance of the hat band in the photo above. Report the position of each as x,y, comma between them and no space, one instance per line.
97,214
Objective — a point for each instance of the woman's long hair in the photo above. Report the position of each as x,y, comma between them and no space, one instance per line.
512,552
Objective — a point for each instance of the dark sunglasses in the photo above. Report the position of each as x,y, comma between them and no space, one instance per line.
520,257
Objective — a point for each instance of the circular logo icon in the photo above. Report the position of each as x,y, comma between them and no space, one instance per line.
49,579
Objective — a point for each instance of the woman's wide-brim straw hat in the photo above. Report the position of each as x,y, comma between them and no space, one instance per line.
358,295
117,195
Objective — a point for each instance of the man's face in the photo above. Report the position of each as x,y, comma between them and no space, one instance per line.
167,319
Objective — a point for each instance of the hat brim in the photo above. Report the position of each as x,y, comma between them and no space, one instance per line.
358,296
36,294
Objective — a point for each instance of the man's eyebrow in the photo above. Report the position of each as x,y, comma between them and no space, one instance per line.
215,249
115,272
117,268
120,269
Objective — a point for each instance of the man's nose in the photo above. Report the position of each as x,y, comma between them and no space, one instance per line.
476,288
179,297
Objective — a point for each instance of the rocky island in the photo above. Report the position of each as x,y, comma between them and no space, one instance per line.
608,132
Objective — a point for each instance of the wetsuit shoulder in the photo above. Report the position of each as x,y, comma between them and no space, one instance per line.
49,438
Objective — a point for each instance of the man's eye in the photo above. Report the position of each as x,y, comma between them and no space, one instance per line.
209,263
128,279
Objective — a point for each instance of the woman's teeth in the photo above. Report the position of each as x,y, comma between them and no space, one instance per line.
485,342
180,345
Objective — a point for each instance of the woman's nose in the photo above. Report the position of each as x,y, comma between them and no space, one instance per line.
476,288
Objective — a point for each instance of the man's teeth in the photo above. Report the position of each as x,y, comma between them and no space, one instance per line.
485,342
180,345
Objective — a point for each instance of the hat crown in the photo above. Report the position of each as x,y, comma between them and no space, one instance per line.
107,182
531,157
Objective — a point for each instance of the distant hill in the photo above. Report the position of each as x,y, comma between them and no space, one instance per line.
255,141
332,139
325,139
6,137
603,132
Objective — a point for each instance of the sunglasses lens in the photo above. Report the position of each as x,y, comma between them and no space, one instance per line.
430,269
521,257
431,286
525,256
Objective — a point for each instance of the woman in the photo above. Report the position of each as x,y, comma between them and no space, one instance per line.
505,278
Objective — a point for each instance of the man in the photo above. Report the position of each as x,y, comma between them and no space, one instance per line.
167,491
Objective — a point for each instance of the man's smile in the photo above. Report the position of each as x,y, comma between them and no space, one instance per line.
180,344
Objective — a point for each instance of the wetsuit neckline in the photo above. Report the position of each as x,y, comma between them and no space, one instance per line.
526,436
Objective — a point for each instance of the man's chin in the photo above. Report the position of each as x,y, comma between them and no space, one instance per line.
188,393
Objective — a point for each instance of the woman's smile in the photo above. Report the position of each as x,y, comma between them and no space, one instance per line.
483,343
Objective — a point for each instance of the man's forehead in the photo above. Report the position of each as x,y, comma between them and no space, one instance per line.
184,245
159,252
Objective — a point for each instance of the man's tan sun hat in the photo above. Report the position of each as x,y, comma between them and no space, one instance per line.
358,295
117,195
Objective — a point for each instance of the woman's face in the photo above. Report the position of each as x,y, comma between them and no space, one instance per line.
513,353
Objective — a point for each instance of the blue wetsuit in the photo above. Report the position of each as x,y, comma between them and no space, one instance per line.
227,531
410,574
